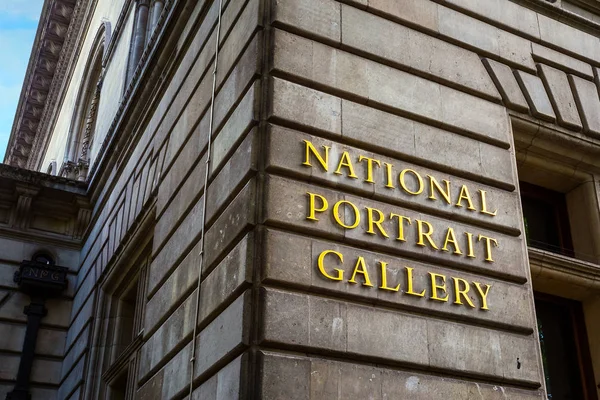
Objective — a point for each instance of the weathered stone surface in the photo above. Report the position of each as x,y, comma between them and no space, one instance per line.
560,60
380,84
51,342
238,217
507,85
287,153
557,86
170,380
287,204
486,38
224,281
176,246
535,93
237,170
568,38
586,95
322,19
293,377
175,330
503,12
293,260
242,118
415,50
348,329
227,384
423,14
305,106
227,333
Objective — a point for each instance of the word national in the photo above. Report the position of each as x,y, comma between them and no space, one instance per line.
408,181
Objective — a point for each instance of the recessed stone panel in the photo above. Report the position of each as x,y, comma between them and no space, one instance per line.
379,177
352,330
329,267
330,213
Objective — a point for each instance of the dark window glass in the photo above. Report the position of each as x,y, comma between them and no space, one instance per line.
546,219
565,353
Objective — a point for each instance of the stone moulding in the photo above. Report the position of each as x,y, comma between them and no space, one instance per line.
38,87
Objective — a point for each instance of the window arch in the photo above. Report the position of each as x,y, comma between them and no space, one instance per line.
83,126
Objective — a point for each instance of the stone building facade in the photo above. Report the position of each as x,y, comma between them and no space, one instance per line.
304,199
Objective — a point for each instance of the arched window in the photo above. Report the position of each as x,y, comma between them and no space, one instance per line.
81,135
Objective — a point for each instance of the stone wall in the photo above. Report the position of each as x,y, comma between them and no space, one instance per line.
363,230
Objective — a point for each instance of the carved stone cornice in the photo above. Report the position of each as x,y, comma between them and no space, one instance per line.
41,77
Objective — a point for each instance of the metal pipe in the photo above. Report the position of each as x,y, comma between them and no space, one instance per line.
204,194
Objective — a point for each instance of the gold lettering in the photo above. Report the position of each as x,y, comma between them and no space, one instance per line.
370,162
310,149
425,235
434,184
403,183
345,162
336,214
375,222
409,283
488,247
340,273
384,284
484,209
388,172
470,252
312,207
464,195
450,238
361,268
464,292
435,287
401,219
483,294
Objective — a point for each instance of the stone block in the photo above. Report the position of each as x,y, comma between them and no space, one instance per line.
171,380
588,103
228,333
70,383
505,13
423,14
306,107
80,346
287,153
400,137
561,60
237,125
287,204
237,218
294,377
225,281
379,84
507,85
79,322
293,260
414,50
171,334
238,169
535,93
557,86
231,276
227,384
176,246
310,322
241,33
322,19
568,38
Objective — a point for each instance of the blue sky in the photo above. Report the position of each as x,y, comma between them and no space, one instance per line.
18,24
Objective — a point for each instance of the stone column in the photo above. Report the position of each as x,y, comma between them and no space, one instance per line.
139,36
157,7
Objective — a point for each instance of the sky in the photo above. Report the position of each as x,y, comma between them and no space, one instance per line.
18,25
